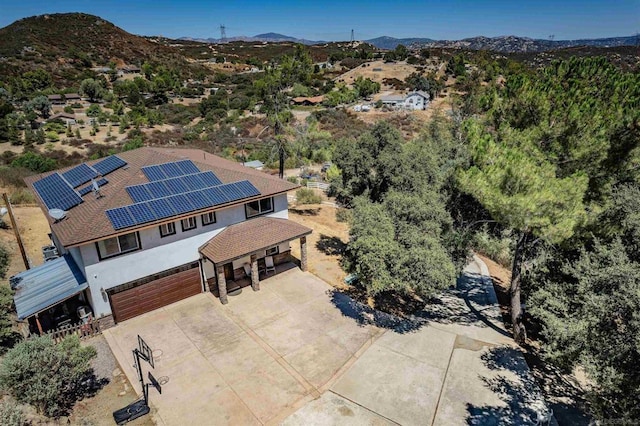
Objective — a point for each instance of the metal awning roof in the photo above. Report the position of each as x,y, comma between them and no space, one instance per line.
41,287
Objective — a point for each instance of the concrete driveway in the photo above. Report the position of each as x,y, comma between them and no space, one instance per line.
451,364
253,361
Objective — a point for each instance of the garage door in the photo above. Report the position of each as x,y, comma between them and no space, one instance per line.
155,294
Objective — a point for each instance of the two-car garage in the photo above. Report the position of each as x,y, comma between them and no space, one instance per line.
150,293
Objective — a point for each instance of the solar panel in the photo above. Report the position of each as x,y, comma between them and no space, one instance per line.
181,203
194,182
199,200
79,175
87,189
232,191
210,179
158,189
139,193
162,208
171,170
109,164
176,186
142,213
154,173
187,167
120,217
215,195
247,188
56,193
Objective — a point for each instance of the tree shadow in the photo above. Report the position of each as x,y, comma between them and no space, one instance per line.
331,246
514,385
305,211
469,304
87,386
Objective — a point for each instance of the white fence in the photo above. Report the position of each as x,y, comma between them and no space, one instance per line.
318,185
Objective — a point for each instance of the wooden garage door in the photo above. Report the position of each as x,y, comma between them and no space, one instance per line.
155,294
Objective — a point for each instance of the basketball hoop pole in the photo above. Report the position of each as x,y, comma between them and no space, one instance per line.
136,358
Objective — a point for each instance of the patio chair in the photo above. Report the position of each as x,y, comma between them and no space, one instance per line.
268,265
247,269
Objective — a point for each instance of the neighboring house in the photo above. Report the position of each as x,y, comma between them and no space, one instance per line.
71,98
255,164
417,100
68,119
128,69
56,99
165,224
302,100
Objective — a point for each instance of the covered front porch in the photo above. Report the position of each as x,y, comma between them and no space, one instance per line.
245,253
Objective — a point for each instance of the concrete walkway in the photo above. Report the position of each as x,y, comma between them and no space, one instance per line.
453,364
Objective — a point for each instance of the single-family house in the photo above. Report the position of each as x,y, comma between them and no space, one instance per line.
309,101
417,100
56,99
66,118
71,98
148,227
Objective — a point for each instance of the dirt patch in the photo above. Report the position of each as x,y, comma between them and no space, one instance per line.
34,230
325,244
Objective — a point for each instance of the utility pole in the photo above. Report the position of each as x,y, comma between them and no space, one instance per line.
352,38
223,33
16,231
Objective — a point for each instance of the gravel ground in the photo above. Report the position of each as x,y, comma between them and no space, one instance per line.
104,363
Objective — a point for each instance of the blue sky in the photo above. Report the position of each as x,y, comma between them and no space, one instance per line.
333,20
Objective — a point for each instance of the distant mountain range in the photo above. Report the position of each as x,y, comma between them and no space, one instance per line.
506,44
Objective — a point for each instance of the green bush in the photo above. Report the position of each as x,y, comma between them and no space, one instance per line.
53,136
69,109
343,215
22,196
34,162
307,196
292,179
497,248
11,414
48,376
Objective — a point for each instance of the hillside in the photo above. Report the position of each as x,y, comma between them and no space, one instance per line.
66,44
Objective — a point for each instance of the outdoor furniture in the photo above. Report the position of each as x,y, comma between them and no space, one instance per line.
247,269
268,263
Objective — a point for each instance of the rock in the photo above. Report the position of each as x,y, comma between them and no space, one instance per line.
116,372
123,393
126,387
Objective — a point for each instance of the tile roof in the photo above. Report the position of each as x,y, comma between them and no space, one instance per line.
88,222
252,235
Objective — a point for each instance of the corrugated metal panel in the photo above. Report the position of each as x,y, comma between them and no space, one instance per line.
39,288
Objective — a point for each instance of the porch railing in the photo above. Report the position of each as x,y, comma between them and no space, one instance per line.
82,330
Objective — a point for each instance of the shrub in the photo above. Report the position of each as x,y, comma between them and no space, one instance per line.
22,196
8,336
497,248
307,196
69,109
46,375
53,136
343,215
292,179
11,414
34,162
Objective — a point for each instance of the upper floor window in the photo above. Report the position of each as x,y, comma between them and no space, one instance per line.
208,218
188,223
118,245
272,251
257,208
167,229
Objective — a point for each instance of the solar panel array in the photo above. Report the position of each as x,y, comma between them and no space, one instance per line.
109,164
172,186
162,208
79,175
56,193
170,170
87,189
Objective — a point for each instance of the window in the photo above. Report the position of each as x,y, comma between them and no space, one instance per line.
208,218
257,208
188,223
273,251
167,229
118,245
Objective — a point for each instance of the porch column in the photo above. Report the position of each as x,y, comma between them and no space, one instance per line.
303,253
255,277
222,285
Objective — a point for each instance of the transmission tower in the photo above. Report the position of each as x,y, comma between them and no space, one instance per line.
223,33
352,39
552,37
